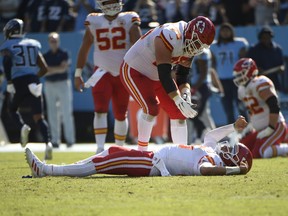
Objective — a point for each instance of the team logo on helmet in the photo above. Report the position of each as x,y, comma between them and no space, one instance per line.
200,26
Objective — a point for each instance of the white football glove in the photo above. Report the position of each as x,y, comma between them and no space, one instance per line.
185,107
35,89
10,88
265,133
186,94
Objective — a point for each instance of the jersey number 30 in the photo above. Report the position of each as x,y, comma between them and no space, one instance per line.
25,55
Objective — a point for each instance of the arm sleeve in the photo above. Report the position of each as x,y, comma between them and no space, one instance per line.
165,77
214,136
182,75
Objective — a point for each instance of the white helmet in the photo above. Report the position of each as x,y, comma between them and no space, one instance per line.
110,7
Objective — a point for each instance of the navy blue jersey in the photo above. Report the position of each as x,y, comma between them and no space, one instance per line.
54,60
35,10
24,53
55,10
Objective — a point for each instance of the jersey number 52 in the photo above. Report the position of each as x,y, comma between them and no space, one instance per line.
117,41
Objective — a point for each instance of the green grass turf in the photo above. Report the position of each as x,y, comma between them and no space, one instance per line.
263,191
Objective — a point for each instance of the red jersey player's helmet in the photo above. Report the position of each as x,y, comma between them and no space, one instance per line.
198,35
110,7
234,155
244,70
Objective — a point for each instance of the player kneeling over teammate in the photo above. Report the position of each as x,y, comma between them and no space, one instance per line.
210,158
266,135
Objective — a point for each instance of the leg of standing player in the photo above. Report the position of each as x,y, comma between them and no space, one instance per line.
102,93
178,125
120,100
142,91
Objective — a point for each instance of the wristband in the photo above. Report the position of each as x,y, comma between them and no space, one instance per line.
232,170
78,72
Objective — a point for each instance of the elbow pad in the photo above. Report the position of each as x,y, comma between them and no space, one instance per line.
273,105
165,77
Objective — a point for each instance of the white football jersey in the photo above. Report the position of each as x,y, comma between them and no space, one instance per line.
187,160
257,107
141,56
111,39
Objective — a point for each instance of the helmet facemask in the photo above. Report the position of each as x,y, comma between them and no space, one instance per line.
194,46
110,9
228,153
244,70
240,77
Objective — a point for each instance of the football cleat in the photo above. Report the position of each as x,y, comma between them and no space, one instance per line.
25,130
35,164
48,151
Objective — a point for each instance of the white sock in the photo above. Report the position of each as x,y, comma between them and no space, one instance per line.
276,150
100,128
120,131
145,126
179,131
78,170
282,149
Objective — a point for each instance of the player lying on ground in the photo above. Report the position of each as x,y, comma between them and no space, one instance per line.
210,158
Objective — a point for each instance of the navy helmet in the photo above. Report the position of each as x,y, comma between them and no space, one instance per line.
13,28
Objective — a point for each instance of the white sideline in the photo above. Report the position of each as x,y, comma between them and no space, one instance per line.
79,147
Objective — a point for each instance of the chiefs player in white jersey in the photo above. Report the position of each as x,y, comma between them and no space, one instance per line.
211,158
112,33
146,73
259,96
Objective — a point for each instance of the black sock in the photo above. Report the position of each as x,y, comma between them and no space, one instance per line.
44,129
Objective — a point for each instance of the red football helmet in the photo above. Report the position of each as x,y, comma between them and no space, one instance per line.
244,70
234,155
198,35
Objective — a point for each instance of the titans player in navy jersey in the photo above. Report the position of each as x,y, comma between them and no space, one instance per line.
23,65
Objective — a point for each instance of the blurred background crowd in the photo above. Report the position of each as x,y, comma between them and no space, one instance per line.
69,15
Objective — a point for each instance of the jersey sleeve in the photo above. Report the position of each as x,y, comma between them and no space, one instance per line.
170,37
205,161
134,17
131,18
263,83
242,42
89,19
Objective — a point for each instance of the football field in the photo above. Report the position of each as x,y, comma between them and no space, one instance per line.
263,191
